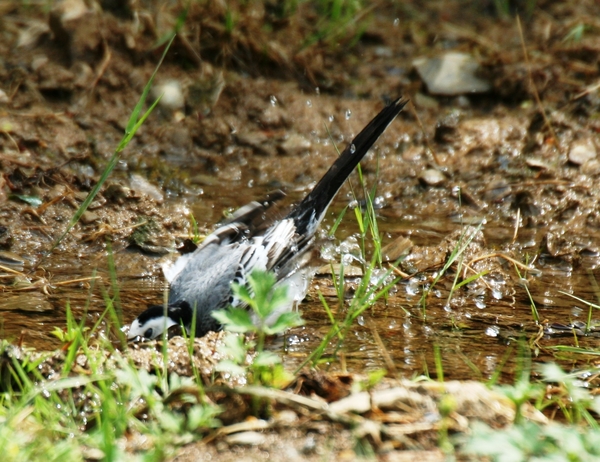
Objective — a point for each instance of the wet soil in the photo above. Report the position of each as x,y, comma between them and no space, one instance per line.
515,167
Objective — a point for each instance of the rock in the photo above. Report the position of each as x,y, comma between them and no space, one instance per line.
540,164
451,74
295,144
89,217
33,35
432,177
11,259
38,62
497,190
250,438
581,152
171,96
141,185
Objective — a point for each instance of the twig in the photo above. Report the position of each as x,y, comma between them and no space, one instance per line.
506,257
429,146
534,86
517,220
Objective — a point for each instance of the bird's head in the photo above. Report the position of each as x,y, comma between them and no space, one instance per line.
156,319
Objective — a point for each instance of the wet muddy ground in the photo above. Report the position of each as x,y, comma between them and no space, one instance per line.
516,165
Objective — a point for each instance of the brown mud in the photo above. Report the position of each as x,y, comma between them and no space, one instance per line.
259,106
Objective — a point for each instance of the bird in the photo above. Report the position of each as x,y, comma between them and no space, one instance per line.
202,280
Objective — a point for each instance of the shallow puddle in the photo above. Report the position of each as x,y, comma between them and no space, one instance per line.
474,333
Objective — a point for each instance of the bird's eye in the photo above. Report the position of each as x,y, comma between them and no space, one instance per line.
148,333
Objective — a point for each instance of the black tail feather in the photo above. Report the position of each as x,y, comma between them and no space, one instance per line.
309,213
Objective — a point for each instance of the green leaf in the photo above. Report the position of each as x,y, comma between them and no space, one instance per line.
242,293
203,416
235,320
284,321
234,347
227,365
261,285
31,200
266,359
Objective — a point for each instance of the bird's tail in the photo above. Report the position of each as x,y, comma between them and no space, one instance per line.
308,214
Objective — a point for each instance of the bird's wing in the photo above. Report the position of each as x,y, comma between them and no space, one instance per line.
240,225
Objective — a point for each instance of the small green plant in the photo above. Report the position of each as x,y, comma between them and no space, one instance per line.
531,441
573,399
265,298
525,285
339,19
575,34
195,237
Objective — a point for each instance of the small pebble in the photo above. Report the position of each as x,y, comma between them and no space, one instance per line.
432,177
89,217
295,144
141,185
451,74
171,93
581,152
246,438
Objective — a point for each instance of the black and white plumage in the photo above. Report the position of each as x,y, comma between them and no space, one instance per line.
201,280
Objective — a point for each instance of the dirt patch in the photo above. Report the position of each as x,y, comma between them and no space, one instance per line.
255,99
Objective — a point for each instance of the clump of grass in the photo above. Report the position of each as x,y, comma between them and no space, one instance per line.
99,398
373,286
339,19
529,440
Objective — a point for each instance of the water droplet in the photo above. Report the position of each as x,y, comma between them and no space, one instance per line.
273,100
330,118
348,114
352,148
396,22
379,202
361,321
412,289
308,103
492,331
347,259
317,91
